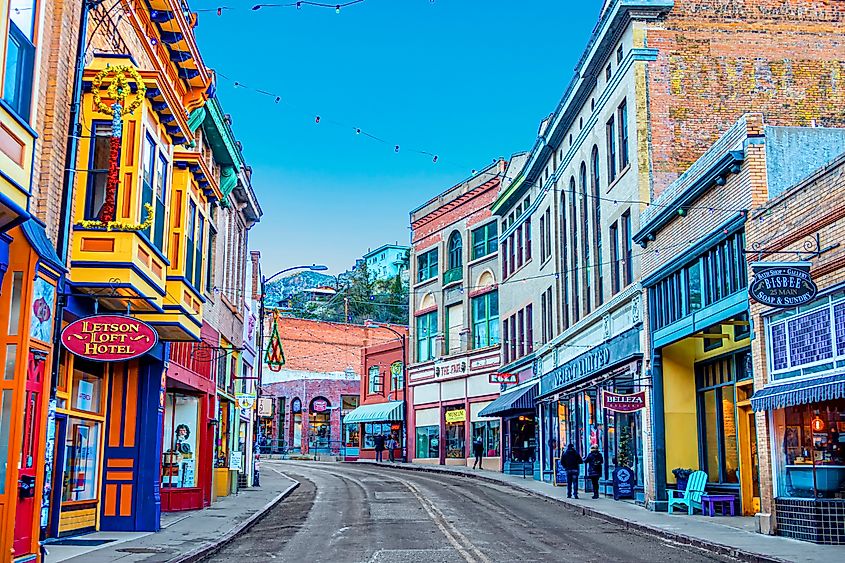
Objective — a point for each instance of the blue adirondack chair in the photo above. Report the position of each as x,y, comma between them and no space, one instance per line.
691,498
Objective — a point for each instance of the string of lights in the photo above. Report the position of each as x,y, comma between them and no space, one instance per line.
298,5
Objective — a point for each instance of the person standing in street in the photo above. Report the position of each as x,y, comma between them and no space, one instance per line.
594,462
378,440
478,451
391,446
571,462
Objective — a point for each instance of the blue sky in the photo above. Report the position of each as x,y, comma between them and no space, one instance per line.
468,80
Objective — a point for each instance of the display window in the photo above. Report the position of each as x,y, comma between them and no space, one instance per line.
180,453
321,430
522,438
455,432
82,447
488,431
87,386
810,461
428,442
373,429
221,440
351,435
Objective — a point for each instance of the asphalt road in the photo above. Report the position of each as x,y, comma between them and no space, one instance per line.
342,513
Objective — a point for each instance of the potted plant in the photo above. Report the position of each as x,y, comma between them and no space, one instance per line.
682,476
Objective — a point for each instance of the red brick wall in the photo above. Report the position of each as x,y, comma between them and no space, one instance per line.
382,355
473,206
718,60
325,347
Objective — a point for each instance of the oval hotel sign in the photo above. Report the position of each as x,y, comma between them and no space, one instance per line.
109,338
782,284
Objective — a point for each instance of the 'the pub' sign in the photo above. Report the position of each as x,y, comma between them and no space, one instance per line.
782,284
109,338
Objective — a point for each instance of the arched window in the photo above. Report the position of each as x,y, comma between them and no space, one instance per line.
596,190
573,229
455,251
585,272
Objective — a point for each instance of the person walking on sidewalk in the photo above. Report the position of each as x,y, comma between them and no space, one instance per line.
378,440
391,446
571,462
478,451
594,462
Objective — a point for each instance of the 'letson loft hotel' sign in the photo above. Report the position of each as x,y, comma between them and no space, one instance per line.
109,338
782,284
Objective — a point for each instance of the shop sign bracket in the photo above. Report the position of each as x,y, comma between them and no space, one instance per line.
811,247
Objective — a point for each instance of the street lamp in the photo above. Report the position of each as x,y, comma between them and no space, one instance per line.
372,324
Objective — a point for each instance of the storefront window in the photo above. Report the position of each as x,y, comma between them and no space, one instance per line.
87,385
81,460
321,430
455,432
373,429
522,439
5,423
428,442
221,443
811,460
715,380
488,431
351,435
180,453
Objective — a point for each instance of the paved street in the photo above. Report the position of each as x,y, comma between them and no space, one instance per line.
344,513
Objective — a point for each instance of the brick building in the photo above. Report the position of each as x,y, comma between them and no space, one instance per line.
700,339
454,322
319,381
658,83
381,405
799,354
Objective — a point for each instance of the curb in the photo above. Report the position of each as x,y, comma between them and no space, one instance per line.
705,545
210,548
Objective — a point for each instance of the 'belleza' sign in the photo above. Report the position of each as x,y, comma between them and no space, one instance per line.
109,338
623,403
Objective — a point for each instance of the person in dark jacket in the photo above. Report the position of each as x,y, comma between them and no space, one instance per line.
571,462
594,462
378,440
478,451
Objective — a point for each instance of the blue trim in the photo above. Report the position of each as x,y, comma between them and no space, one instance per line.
110,265
805,391
19,187
191,316
18,119
33,231
191,286
719,234
730,163
721,310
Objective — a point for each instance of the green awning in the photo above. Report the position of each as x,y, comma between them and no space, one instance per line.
381,412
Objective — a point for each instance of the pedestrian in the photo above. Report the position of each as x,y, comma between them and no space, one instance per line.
571,462
594,462
478,450
378,440
391,446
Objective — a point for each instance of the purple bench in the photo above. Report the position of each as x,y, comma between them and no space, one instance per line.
709,502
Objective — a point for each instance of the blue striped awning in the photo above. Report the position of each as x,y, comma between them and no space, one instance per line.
813,390
381,412
519,399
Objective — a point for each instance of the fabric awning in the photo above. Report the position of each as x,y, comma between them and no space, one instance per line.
802,392
382,412
519,399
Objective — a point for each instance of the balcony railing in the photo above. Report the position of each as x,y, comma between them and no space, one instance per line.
453,275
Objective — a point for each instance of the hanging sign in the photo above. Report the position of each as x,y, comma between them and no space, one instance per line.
245,400
265,407
296,406
623,403
504,378
109,338
319,405
623,483
782,284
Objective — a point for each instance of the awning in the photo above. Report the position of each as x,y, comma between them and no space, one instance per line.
382,412
519,399
812,390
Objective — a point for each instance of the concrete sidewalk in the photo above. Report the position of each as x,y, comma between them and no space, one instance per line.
185,536
731,536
